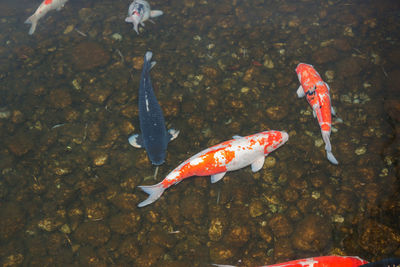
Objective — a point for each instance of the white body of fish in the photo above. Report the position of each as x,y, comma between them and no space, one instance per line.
139,11
42,10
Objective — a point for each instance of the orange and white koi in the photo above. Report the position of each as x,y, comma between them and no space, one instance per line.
317,93
42,10
217,160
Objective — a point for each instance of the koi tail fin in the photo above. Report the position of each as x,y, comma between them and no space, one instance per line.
331,157
32,20
328,148
154,191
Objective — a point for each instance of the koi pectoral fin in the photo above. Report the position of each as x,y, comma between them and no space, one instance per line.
216,177
333,111
154,191
155,13
129,19
258,164
300,92
136,141
59,8
172,134
337,119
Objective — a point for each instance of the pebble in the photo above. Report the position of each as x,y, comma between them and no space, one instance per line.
65,229
116,36
69,29
76,85
318,142
210,46
270,162
306,112
338,218
361,151
330,75
348,31
268,63
245,90
4,113
315,195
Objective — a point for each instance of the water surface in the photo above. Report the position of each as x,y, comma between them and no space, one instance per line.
69,178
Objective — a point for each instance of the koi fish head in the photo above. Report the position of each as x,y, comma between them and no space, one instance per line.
303,67
135,14
304,71
308,77
156,156
274,140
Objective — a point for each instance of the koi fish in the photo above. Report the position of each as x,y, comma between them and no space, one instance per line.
138,12
154,137
317,93
42,10
323,261
217,160
332,261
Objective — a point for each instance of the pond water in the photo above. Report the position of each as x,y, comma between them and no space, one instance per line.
69,93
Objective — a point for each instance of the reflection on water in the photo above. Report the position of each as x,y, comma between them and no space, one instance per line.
68,103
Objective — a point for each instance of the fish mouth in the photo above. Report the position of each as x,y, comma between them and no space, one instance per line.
285,137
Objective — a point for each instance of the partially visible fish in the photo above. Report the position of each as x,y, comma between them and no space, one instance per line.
217,160
138,12
332,261
42,10
316,92
154,136
323,261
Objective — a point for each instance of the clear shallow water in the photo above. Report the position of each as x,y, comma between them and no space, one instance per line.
69,103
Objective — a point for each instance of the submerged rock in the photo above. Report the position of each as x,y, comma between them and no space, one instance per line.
94,233
277,113
60,98
126,223
378,239
324,55
238,236
12,220
280,226
216,228
220,253
20,143
312,234
129,247
350,66
89,55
